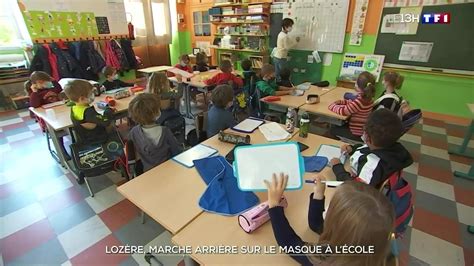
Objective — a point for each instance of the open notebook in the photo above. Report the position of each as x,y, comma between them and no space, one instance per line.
256,163
330,151
197,152
248,125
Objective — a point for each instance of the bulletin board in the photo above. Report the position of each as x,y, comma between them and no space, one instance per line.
320,24
51,19
354,64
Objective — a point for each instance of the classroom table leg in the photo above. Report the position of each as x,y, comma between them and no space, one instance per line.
57,146
469,175
462,150
143,217
187,102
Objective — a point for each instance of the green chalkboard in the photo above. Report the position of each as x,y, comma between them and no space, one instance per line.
453,48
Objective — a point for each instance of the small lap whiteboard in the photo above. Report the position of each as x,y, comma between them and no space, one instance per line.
197,152
256,163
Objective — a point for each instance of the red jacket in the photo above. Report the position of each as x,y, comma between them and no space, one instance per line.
44,96
53,61
224,78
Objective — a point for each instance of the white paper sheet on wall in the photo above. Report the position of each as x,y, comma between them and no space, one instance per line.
327,59
358,21
415,51
409,28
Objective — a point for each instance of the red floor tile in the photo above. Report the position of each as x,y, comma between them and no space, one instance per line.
119,214
461,159
96,254
416,130
403,258
468,256
464,196
433,122
437,143
415,154
455,132
436,225
61,200
13,187
26,239
439,174
14,126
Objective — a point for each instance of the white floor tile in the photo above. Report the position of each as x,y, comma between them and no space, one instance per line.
459,141
34,126
83,235
443,154
20,136
435,187
455,166
164,239
437,130
413,169
10,122
104,199
51,187
433,250
115,177
465,214
24,114
411,138
67,263
20,219
5,148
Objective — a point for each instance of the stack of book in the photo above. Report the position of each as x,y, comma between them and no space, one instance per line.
227,11
256,9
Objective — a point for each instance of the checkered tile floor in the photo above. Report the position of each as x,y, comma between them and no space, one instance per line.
47,218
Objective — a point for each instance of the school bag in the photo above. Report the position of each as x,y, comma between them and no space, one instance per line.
396,104
177,125
399,192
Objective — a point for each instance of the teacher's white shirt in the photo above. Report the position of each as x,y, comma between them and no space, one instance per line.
284,44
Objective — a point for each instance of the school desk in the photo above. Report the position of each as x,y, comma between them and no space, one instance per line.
297,101
463,148
213,230
58,120
150,70
321,108
170,192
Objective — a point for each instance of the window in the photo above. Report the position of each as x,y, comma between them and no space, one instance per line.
13,31
159,24
202,25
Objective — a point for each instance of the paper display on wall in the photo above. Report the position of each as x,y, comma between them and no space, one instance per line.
415,51
358,21
388,25
354,64
409,28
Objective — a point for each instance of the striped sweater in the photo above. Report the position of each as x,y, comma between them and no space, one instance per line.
358,110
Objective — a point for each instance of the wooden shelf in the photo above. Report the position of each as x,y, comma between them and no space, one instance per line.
242,35
242,15
239,50
239,22
242,4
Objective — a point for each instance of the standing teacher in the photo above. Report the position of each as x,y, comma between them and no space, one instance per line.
284,44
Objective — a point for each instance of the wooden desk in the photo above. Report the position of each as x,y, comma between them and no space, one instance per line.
328,98
170,192
212,229
297,101
153,69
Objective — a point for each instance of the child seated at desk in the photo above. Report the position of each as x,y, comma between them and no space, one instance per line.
268,86
112,80
359,215
248,74
380,156
358,109
201,63
153,143
159,84
389,98
219,117
90,126
182,65
42,90
226,76
285,78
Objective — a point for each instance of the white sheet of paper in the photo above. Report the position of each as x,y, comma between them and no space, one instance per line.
195,153
183,73
248,125
330,152
303,86
327,59
415,51
387,24
273,132
50,105
316,56
253,164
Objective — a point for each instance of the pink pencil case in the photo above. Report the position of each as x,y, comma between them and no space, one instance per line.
258,215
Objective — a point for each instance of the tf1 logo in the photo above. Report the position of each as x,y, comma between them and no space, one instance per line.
436,18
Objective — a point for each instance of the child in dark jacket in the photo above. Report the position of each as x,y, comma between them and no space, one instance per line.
219,117
285,78
352,207
112,80
42,89
268,86
201,63
382,154
90,126
153,143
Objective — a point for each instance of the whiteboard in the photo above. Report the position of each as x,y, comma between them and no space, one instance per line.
320,24
114,10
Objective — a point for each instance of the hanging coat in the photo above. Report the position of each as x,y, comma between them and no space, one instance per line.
53,62
110,57
40,60
124,65
90,61
99,48
67,65
129,53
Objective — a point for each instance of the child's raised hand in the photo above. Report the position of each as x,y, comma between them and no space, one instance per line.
276,189
346,148
319,187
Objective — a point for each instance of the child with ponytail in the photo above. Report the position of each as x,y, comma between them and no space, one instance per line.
389,99
358,109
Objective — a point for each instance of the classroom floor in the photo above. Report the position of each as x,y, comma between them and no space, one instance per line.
47,218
